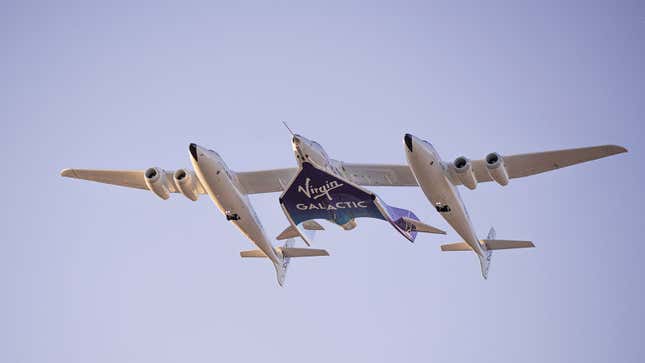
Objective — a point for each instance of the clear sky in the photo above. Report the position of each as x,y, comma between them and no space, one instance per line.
96,273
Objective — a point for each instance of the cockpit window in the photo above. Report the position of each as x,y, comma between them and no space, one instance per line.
443,208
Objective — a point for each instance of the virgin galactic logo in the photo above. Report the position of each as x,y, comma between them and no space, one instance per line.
321,191
318,192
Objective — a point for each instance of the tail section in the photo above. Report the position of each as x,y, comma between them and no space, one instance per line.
281,269
419,226
489,245
310,227
484,263
286,253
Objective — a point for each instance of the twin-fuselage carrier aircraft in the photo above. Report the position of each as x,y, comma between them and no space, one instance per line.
333,190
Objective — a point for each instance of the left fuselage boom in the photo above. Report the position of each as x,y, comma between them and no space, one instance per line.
223,188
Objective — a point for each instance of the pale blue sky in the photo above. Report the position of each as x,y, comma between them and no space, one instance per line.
95,273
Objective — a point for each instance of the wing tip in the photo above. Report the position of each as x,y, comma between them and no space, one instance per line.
618,149
67,172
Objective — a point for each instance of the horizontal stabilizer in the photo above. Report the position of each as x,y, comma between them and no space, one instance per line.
291,232
422,227
459,246
302,252
287,252
252,253
495,244
500,244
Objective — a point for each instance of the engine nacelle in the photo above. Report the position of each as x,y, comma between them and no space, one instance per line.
464,170
156,181
186,182
496,168
349,225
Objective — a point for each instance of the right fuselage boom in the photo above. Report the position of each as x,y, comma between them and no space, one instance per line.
431,174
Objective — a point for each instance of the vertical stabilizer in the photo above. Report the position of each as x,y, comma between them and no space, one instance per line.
491,233
484,261
281,268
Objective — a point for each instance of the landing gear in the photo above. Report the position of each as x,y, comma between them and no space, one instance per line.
230,216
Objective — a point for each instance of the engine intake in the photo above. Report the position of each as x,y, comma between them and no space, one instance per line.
156,181
185,181
464,170
496,168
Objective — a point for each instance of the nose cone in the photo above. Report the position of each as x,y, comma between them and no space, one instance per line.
408,141
296,140
296,143
193,150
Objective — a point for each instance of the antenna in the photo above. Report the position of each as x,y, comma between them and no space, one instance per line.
287,126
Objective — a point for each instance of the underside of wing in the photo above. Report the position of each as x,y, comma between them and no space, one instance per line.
265,181
124,178
275,180
521,165
379,174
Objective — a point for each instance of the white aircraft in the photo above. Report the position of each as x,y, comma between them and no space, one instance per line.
324,188
439,180
229,189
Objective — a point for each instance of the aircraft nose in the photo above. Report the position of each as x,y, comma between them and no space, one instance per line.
408,141
193,150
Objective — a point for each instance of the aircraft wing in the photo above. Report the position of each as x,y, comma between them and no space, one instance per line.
379,174
522,165
265,181
316,194
253,182
124,178
276,180
258,181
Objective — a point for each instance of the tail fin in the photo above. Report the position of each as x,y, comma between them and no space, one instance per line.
282,274
484,261
492,234
490,244
286,253
310,228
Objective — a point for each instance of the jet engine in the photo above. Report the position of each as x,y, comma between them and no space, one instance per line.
156,181
186,182
496,168
464,169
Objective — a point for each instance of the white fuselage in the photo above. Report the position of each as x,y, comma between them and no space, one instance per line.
429,171
431,174
223,188
310,151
